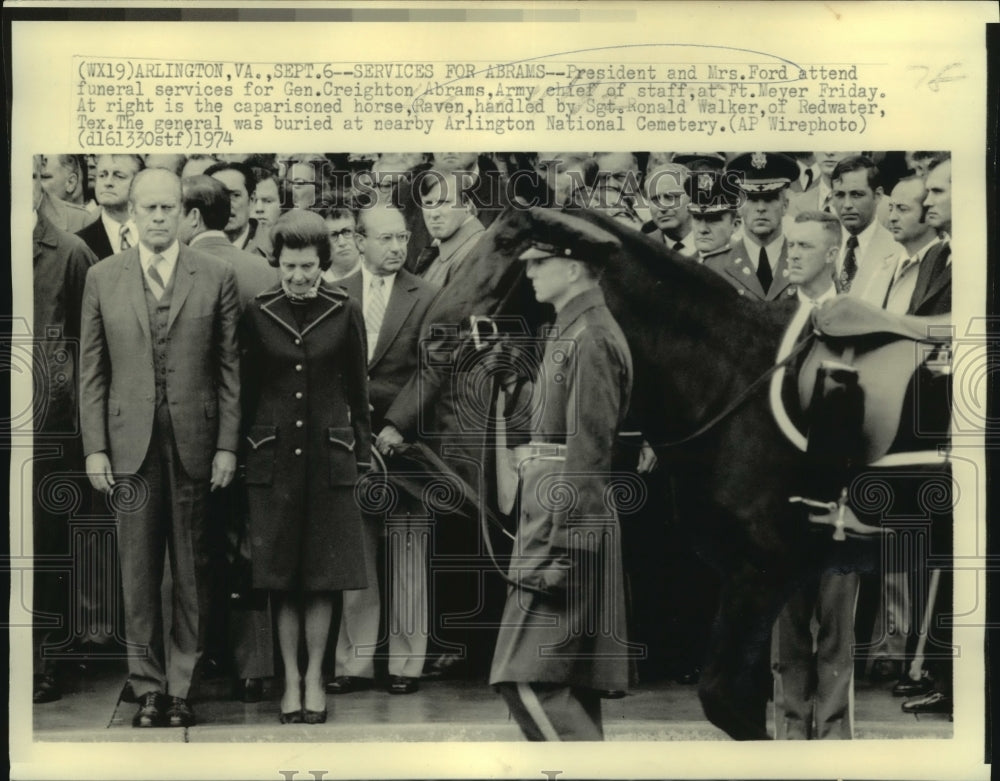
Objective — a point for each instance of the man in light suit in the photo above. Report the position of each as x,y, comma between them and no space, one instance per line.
757,266
393,318
159,412
868,256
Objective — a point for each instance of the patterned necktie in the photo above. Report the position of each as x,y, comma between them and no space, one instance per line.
124,242
426,257
764,274
850,265
156,283
374,312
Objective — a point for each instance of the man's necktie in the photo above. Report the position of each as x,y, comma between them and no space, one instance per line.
850,267
826,203
156,283
374,312
678,246
808,174
427,256
764,274
124,242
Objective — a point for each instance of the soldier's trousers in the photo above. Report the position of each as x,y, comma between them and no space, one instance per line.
554,711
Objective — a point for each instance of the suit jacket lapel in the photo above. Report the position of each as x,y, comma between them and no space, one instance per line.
401,301
183,282
135,289
779,283
938,274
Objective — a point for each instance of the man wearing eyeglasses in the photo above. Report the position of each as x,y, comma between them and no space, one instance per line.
345,252
394,303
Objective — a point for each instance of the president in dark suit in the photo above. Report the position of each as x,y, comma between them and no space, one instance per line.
394,303
160,414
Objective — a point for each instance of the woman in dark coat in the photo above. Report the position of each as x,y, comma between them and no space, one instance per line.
307,433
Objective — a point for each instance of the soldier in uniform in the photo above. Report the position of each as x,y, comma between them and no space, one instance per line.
713,214
562,637
757,266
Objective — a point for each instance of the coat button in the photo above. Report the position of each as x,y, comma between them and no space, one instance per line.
298,394
298,341
298,451
298,367
298,424
740,291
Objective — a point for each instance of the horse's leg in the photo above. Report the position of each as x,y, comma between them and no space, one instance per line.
736,680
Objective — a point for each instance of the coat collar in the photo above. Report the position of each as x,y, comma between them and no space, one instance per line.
44,233
276,305
575,307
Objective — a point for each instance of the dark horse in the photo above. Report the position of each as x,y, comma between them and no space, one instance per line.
696,345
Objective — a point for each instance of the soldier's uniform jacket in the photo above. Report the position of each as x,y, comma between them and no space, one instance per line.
739,271
576,638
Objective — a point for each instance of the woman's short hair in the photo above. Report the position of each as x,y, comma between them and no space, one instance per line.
301,229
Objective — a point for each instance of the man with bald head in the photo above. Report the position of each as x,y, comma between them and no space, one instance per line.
159,413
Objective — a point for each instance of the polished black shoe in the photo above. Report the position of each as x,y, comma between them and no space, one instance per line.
179,713
46,689
292,717
935,702
249,690
907,687
401,684
150,713
346,684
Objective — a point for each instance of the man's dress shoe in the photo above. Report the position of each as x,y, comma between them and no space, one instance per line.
907,687
179,713
401,684
935,702
150,713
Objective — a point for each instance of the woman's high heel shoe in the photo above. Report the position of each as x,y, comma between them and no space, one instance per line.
292,717
314,716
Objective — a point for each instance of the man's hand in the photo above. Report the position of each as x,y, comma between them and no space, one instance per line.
647,459
98,468
223,468
387,439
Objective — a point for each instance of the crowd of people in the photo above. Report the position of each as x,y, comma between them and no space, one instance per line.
249,332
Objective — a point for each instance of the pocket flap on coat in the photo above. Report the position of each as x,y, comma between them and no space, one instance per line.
342,437
261,435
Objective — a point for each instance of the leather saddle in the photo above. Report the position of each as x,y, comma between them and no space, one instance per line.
903,367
